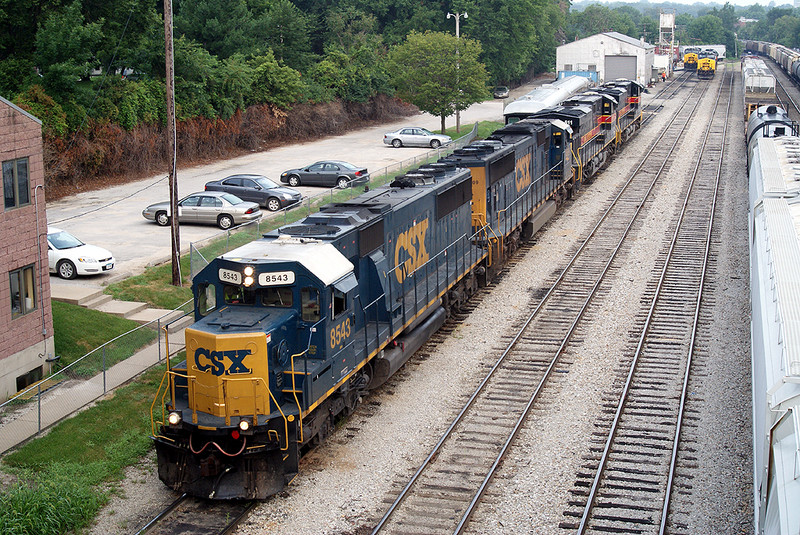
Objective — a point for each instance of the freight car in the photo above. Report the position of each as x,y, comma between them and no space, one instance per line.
775,328
758,84
291,330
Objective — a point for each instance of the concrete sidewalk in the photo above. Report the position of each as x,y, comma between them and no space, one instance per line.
94,298
65,399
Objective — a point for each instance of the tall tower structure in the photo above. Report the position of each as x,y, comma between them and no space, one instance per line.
666,36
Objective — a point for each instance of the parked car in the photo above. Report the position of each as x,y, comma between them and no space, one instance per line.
500,91
214,207
330,173
257,188
415,136
69,257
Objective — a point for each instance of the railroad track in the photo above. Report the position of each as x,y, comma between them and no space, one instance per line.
192,516
626,486
444,491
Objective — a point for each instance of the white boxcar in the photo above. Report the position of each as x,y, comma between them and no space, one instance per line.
775,299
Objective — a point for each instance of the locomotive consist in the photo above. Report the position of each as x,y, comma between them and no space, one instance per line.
773,149
292,329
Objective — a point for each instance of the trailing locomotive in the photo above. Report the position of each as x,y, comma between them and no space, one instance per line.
773,148
292,329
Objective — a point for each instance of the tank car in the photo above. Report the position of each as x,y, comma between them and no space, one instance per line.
775,329
769,121
545,96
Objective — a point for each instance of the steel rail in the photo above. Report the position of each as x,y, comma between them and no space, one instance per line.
404,492
696,319
601,278
615,423
147,527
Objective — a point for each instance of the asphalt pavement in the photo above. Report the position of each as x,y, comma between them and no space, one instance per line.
112,218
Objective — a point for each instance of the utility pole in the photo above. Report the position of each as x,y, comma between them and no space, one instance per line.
458,36
172,143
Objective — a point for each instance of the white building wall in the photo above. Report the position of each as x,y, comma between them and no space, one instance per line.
590,52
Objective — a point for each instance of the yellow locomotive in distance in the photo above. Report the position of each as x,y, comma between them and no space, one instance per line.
706,64
690,58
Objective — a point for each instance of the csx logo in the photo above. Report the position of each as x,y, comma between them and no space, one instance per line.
215,361
523,175
410,250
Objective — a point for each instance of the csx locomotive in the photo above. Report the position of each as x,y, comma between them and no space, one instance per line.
293,328
690,58
706,64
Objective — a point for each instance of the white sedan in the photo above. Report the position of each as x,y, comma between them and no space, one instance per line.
69,257
415,136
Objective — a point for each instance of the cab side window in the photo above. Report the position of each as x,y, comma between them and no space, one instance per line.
309,298
339,302
206,298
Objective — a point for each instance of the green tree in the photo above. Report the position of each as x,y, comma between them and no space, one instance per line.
707,29
508,36
224,27
66,49
438,73
274,83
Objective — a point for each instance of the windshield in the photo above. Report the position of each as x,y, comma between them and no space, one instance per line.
266,183
63,240
233,199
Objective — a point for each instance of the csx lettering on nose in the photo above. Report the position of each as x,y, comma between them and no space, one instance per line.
214,361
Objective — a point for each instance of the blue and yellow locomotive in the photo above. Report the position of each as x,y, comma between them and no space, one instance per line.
292,329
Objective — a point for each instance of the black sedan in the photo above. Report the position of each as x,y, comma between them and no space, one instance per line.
257,188
330,173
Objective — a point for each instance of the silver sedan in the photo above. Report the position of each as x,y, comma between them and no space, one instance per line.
213,207
415,137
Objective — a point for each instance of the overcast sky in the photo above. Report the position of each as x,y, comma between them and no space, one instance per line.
743,3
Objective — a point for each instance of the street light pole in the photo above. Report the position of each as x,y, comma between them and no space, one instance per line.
457,16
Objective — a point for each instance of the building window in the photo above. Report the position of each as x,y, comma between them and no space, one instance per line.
16,189
568,66
592,68
23,294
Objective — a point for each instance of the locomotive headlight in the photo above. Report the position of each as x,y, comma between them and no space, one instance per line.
244,425
248,271
174,418
248,281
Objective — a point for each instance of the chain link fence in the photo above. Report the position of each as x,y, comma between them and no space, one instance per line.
85,380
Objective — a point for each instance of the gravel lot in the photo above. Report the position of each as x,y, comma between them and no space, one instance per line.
344,486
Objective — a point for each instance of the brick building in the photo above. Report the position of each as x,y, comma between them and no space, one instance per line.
26,319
